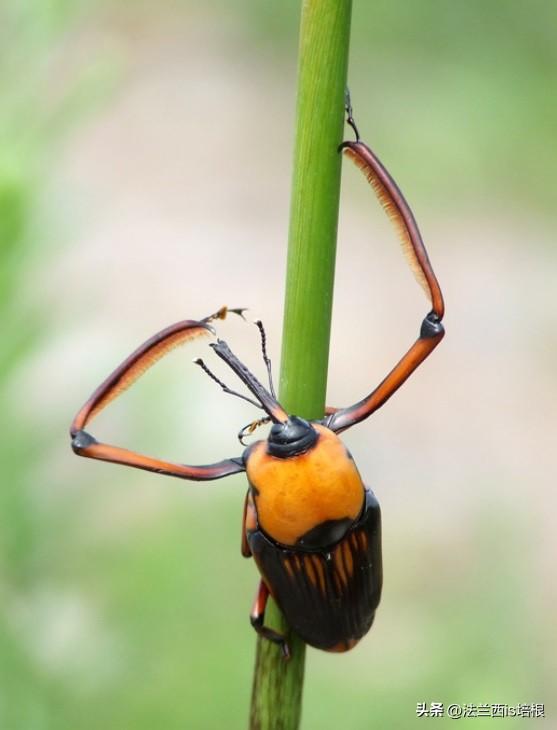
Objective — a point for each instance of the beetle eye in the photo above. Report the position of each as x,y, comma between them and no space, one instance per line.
291,438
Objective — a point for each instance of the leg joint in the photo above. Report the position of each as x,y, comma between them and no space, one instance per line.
82,440
431,327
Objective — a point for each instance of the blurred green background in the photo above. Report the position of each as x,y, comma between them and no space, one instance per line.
145,162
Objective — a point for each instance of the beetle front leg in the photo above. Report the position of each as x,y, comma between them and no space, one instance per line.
432,330
257,618
122,378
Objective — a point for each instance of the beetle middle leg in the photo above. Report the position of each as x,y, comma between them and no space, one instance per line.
257,618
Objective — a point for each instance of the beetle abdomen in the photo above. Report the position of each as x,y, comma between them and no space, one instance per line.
328,596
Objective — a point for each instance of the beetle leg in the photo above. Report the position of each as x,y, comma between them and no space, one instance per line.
250,428
248,514
432,330
122,378
257,617
349,118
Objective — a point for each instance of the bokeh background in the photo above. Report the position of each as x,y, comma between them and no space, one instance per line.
145,163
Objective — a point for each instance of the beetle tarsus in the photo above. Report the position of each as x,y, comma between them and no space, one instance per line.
223,311
270,635
349,118
257,619
285,649
250,428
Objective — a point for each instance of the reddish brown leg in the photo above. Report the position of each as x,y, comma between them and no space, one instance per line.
245,548
257,617
122,378
249,523
432,330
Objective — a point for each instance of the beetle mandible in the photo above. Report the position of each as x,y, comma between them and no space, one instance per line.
311,525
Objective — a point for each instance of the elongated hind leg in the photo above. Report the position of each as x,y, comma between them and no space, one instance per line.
432,331
84,444
257,618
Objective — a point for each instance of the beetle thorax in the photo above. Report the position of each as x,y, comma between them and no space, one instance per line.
309,499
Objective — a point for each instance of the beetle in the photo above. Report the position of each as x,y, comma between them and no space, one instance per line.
309,522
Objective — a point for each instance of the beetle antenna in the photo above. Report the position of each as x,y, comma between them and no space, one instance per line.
226,389
349,118
270,404
259,325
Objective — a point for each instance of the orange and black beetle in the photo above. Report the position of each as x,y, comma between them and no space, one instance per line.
309,522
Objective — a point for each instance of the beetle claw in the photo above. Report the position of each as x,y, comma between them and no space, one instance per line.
285,649
223,311
240,312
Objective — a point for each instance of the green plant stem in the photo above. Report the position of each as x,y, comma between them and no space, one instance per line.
323,62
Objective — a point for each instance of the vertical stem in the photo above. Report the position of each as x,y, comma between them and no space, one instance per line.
323,61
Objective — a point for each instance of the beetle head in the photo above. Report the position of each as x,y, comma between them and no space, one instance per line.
292,437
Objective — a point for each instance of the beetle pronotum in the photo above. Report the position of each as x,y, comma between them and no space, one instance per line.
311,525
